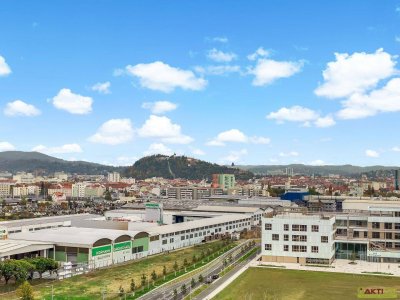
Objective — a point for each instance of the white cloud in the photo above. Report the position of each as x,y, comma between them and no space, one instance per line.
355,73
397,39
396,149
72,103
158,148
102,87
159,107
67,148
301,114
371,153
217,70
260,52
289,154
20,108
113,132
293,114
4,68
234,156
326,121
163,128
220,56
236,136
6,146
221,39
267,70
317,162
198,152
162,77
386,99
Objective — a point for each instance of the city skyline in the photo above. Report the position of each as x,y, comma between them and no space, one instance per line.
223,82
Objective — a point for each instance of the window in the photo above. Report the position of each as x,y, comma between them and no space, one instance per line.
397,236
299,227
182,237
299,238
286,237
324,239
314,249
356,234
268,247
164,242
375,225
388,225
397,226
285,247
299,248
365,234
268,226
375,235
286,227
314,228
275,237
171,240
388,235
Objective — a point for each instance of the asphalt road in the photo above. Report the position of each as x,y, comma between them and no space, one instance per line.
166,292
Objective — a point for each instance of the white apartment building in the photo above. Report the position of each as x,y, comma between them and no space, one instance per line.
78,189
298,238
23,177
114,177
5,187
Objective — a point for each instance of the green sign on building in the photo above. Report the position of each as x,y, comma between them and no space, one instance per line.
122,246
152,205
101,250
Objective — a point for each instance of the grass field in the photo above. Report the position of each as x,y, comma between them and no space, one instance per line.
282,284
89,286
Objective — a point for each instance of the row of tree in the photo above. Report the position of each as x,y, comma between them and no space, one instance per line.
25,269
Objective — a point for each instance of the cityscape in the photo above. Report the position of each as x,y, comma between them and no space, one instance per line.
201,150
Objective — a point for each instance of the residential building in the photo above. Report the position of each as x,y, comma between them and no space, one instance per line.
224,181
114,177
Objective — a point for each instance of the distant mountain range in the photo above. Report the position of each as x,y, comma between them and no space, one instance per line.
17,161
344,170
169,167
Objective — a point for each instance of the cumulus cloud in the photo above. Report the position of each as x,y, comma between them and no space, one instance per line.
234,156
220,56
102,87
218,69
386,99
67,148
267,71
72,103
355,73
113,132
260,52
302,115
236,136
158,148
20,108
371,153
220,39
4,68
6,146
162,77
162,127
159,107
396,149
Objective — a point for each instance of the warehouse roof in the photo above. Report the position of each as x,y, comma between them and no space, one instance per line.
72,236
13,247
195,224
229,209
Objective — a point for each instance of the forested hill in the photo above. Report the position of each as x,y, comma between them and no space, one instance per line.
180,167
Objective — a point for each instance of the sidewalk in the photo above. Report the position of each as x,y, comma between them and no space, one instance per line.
341,266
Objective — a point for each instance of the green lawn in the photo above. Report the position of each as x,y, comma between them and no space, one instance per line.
282,284
89,286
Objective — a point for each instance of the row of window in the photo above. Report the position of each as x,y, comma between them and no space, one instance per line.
377,225
298,238
295,227
295,248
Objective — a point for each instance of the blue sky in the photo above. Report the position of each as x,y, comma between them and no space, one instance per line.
250,82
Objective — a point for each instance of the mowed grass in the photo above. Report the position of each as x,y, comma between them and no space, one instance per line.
282,284
90,286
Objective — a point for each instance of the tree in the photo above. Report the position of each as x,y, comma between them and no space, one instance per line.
164,271
175,294
202,254
153,276
192,282
176,267
107,196
185,262
201,278
133,286
143,280
25,291
183,289
194,258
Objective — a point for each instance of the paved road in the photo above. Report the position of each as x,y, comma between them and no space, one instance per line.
216,284
166,292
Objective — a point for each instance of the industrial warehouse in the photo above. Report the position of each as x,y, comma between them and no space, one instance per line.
98,241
